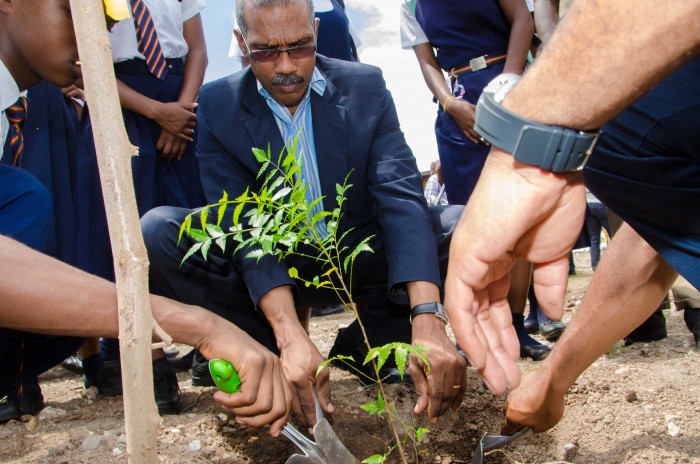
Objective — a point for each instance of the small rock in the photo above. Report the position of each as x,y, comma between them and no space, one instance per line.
53,451
195,445
90,393
50,412
91,443
223,417
209,450
608,419
570,450
252,439
174,430
671,417
32,424
116,452
438,458
631,396
673,429
622,370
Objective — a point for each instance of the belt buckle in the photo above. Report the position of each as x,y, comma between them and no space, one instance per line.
477,64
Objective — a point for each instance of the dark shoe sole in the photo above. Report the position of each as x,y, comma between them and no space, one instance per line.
534,352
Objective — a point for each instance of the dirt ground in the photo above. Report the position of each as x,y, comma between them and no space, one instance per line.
637,404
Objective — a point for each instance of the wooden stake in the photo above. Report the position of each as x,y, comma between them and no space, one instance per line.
114,154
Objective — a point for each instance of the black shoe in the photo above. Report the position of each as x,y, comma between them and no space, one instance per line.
349,342
535,352
651,330
318,311
73,364
692,321
109,379
531,326
166,388
552,330
32,402
183,363
200,372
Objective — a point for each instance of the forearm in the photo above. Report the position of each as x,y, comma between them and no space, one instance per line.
432,74
197,60
422,292
278,307
546,18
626,288
602,57
132,100
521,30
41,294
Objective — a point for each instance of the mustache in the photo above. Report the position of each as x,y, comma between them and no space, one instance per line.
286,79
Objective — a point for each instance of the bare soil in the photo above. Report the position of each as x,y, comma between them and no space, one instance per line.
637,404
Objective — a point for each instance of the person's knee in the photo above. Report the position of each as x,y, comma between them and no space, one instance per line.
160,226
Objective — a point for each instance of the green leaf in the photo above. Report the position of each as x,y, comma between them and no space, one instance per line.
375,459
293,273
190,252
381,353
420,431
281,193
237,213
221,242
400,355
198,235
380,403
260,155
214,231
370,407
205,248
255,254
222,208
185,227
203,215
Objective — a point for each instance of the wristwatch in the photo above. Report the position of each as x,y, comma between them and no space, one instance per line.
429,308
552,148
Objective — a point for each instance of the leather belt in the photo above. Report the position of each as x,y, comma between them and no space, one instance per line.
477,64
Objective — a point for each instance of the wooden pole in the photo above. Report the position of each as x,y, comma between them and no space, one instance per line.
114,154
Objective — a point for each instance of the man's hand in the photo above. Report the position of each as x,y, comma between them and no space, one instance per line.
265,397
516,210
443,388
534,404
300,359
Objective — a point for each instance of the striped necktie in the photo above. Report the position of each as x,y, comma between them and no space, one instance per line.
147,38
16,115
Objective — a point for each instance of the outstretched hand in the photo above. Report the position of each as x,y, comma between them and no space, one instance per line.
515,211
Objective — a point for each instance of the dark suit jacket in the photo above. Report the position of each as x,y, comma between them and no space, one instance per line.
355,128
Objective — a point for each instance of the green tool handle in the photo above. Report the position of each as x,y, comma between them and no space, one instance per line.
225,376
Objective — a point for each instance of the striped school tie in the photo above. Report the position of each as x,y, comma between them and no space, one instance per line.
16,115
147,38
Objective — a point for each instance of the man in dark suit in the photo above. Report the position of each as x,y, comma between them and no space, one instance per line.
348,124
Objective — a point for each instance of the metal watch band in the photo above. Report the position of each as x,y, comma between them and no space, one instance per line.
429,308
552,148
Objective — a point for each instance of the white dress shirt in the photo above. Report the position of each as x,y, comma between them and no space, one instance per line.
169,17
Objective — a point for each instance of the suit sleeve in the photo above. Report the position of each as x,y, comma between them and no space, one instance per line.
402,213
222,170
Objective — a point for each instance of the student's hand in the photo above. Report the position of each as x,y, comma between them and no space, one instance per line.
265,396
169,146
177,118
73,91
443,388
464,113
515,211
300,359
533,404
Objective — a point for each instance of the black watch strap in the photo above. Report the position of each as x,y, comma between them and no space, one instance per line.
552,148
429,308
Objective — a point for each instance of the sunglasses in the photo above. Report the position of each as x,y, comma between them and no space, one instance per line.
296,52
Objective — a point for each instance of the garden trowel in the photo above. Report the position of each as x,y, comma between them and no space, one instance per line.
491,442
327,447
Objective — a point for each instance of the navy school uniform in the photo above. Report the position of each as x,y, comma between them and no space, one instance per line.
461,31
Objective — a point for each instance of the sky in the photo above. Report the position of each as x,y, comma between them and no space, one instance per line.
377,24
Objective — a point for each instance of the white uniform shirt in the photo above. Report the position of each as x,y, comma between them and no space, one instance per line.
411,32
169,17
9,94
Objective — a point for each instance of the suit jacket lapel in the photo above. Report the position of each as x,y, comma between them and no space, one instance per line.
330,137
260,122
